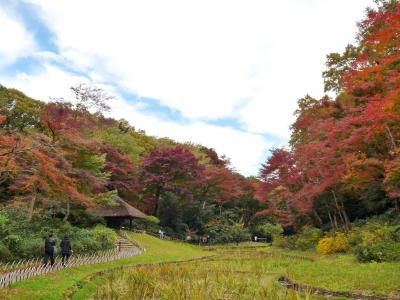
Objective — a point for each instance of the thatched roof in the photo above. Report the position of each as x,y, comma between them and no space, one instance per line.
122,209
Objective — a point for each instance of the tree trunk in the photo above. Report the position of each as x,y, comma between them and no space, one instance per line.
318,217
392,141
68,211
32,206
335,221
338,209
331,220
346,217
158,194
342,213
396,205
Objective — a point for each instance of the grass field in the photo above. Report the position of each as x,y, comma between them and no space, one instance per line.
249,273
57,285
244,272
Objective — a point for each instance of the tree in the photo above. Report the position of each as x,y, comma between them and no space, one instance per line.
392,179
221,184
337,64
91,98
277,177
63,121
123,174
39,174
21,112
170,169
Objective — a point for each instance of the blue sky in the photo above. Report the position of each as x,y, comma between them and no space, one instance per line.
225,74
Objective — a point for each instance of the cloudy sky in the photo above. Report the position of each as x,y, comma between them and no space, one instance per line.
223,73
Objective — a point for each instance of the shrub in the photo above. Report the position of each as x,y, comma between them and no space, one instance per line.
153,219
223,231
308,238
287,242
30,247
148,224
379,252
25,239
375,241
274,230
104,237
5,254
336,244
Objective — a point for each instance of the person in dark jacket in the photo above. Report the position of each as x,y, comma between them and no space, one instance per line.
66,250
49,250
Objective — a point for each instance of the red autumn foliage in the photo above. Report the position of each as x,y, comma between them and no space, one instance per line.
122,170
222,185
170,169
350,141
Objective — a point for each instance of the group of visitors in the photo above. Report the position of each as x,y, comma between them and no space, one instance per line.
50,250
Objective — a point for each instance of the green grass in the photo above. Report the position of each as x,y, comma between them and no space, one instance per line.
248,273
234,272
344,273
56,285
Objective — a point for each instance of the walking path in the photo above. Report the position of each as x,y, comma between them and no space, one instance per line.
24,270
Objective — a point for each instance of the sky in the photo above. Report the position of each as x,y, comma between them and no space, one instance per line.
225,74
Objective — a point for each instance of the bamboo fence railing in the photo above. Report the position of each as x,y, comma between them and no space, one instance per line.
24,269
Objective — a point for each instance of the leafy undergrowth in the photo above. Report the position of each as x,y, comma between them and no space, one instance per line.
248,273
57,285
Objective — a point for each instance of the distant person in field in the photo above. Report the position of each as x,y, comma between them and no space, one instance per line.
161,234
66,250
49,250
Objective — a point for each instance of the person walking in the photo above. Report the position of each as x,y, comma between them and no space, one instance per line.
49,250
66,250
161,233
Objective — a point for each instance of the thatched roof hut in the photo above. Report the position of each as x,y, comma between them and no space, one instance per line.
115,215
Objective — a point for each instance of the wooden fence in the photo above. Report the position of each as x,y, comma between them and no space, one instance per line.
22,270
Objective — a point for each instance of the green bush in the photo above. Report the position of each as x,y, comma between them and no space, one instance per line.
274,230
308,238
375,241
222,231
21,238
379,252
5,253
153,219
149,224
104,237
305,240
32,247
287,242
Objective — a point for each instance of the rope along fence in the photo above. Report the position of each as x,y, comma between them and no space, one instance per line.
19,271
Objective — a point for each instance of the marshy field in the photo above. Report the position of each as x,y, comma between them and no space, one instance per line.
175,270
247,271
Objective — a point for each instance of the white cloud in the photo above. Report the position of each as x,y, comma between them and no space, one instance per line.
244,149
15,40
249,60
53,82
205,58
49,82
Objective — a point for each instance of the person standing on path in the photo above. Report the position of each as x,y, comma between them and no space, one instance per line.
49,250
66,250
